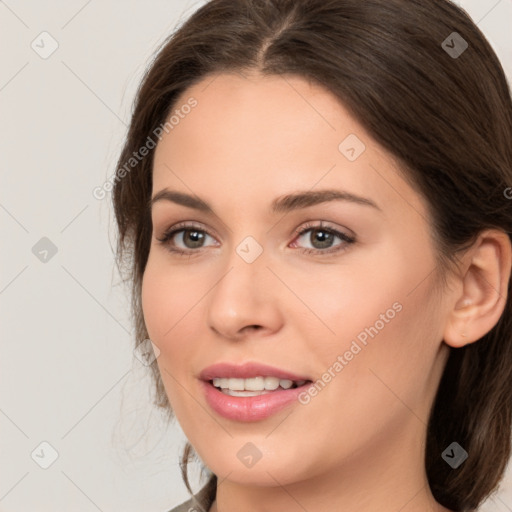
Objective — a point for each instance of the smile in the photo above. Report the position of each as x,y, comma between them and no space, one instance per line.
254,386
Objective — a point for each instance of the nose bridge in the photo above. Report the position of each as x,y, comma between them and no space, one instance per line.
249,250
245,271
243,295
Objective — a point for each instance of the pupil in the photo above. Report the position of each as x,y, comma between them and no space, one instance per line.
324,237
196,238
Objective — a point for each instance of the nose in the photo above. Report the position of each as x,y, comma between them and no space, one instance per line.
244,300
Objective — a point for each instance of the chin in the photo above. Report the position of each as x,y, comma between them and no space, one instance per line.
269,470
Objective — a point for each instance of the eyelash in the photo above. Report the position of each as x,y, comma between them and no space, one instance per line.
168,235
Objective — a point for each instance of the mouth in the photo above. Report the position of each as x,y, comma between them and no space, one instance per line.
248,405
250,391
255,386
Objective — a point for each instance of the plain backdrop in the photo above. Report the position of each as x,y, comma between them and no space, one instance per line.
76,430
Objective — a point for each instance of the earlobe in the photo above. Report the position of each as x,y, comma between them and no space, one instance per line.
486,269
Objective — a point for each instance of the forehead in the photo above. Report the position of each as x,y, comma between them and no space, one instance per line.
296,110
251,137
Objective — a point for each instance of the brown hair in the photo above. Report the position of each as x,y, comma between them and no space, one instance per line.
447,119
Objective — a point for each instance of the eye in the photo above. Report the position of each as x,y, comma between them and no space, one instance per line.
191,237
322,238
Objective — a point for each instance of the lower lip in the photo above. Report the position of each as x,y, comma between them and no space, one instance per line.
250,408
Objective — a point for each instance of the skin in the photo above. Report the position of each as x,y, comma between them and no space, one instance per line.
359,444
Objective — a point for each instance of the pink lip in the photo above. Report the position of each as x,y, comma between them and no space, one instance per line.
244,371
249,408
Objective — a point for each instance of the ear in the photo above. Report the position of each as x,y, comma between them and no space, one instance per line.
482,289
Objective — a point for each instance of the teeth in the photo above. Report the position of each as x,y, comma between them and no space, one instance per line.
244,393
271,383
254,384
285,383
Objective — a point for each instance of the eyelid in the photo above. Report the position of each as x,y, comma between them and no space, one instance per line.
322,224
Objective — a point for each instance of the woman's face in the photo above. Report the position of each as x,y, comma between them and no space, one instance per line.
356,314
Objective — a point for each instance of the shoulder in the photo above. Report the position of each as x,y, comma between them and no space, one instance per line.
187,506
193,504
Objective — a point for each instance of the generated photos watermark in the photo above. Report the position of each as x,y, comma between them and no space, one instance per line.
180,113
355,348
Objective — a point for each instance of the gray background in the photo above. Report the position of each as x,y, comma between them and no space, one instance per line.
68,376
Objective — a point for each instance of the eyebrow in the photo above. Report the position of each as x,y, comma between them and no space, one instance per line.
283,204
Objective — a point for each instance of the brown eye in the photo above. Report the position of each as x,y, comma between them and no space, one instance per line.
322,239
184,238
195,237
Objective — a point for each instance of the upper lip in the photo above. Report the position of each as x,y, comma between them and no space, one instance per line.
245,371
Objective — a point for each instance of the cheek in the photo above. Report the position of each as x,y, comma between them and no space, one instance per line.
168,297
378,314
343,300
388,345
156,303
167,304
167,300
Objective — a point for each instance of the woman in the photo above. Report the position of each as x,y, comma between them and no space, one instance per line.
317,235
